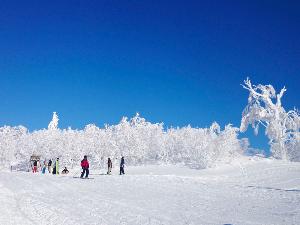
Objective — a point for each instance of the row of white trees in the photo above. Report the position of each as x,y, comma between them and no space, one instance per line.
138,140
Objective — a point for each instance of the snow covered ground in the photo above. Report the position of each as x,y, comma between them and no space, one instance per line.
248,191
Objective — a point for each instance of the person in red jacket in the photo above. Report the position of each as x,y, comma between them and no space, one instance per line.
85,167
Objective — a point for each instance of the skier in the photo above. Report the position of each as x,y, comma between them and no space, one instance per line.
34,169
109,165
50,165
85,167
122,164
44,167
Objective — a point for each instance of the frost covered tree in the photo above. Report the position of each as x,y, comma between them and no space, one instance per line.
140,141
53,125
11,138
282,128
201,147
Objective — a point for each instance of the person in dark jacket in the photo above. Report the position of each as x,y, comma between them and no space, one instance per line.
50,165
85,167
122,164
109,166
57,166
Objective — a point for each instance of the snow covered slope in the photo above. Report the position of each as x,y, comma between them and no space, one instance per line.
250,191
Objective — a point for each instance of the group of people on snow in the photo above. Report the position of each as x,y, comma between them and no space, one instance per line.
85,167
109,166
54,167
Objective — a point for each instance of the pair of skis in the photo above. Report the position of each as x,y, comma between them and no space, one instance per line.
83,178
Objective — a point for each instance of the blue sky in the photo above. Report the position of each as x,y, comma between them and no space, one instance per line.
177,62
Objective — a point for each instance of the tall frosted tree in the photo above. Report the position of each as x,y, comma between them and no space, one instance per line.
53,125
282,128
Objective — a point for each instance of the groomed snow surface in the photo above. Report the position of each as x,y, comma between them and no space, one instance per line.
248,191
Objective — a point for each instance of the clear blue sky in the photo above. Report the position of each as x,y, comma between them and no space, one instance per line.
177,62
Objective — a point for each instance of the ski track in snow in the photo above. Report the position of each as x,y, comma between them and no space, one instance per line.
262,192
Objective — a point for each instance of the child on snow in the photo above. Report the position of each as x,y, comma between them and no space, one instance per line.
65,171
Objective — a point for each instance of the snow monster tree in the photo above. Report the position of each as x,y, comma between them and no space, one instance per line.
282,128
53,125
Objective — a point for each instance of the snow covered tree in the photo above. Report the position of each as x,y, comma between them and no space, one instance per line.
140,141
53,125
11,138
282,128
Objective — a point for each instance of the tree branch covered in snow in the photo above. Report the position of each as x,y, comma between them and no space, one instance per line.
281,127
140,141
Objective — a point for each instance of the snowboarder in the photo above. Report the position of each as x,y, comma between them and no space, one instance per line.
65,171
85,167
57,166
122,164
109,166
50,165
54,170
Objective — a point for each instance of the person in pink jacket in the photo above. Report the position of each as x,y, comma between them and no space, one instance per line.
85,167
